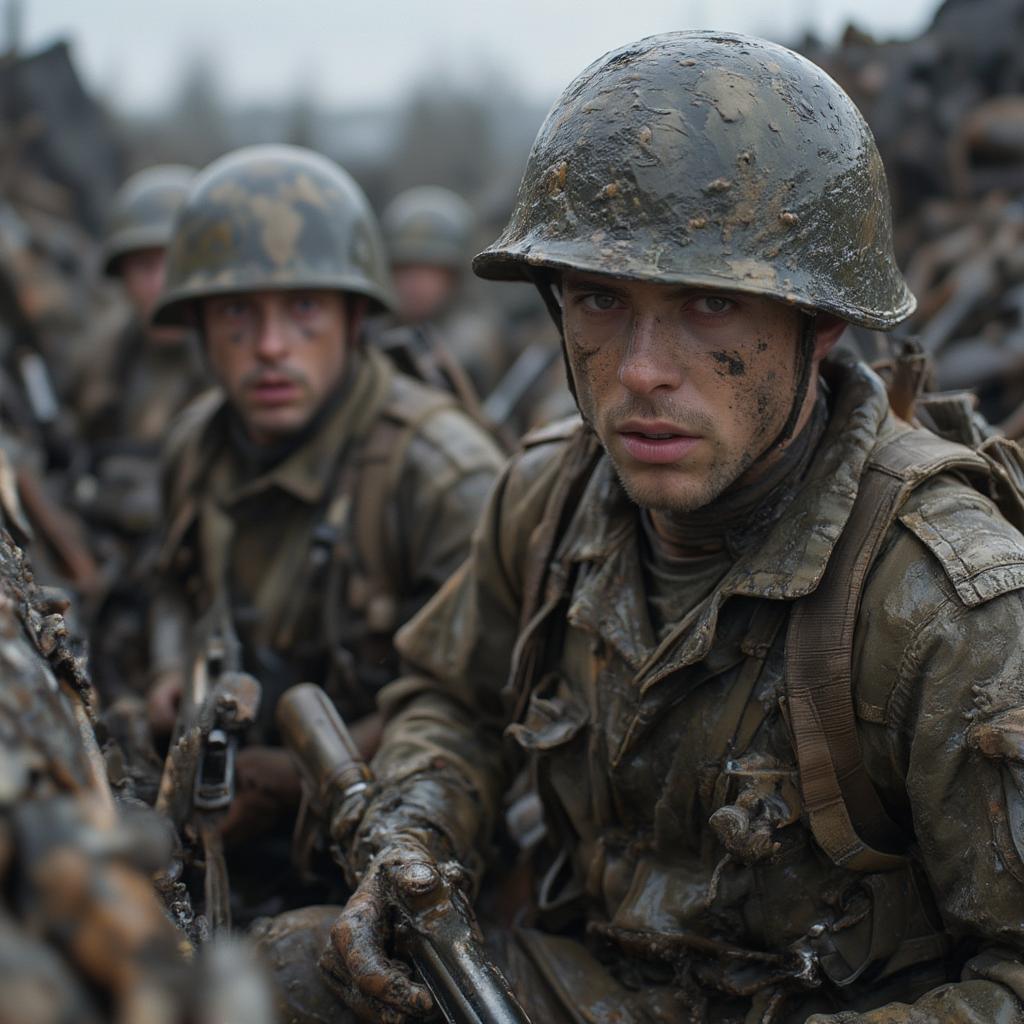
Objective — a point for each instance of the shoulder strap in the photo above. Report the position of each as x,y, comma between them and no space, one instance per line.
378,469
185,460
578,463
845,812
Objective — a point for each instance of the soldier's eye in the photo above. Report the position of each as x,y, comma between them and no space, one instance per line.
231,309
713,304
304,305
600,301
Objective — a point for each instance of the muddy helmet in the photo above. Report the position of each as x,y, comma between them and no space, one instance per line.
714,160
273,217
428,225
142,216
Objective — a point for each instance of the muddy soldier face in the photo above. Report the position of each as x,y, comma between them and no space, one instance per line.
689,391
278,355
279,255
754,634
322,496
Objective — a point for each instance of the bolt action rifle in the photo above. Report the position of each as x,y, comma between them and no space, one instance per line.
197,786
436,925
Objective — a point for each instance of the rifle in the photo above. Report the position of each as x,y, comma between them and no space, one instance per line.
434,920
198,782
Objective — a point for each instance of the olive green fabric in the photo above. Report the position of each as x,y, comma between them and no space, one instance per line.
133,386
269,217
273,535
715,160
142,216
666,767
428,226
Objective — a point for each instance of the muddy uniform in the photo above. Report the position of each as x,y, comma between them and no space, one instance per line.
638,743
779,758
329,546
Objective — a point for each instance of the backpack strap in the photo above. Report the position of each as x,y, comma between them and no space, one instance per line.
365,572
378,471
577,464
845,812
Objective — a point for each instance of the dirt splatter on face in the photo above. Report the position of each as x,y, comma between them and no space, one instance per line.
278,355
730,362
686,388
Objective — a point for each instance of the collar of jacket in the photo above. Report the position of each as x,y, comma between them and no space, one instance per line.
609,599
309,471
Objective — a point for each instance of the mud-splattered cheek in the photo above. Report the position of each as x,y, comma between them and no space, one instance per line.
729,363
592,365
765,405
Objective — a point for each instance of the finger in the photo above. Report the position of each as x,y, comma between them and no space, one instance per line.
359,937
365,1007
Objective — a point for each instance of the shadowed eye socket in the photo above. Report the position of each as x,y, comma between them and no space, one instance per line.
712,304
231,307
303,304
599,302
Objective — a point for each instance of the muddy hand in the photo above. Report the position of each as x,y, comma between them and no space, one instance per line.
357,959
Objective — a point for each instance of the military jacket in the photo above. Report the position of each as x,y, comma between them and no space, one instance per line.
323,554
681,880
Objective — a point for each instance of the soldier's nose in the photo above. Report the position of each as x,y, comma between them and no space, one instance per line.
649,362
272,338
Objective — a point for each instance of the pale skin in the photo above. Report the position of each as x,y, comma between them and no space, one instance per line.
423,290
686,388
278,355
142,273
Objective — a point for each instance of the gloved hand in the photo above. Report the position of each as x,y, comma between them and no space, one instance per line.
267,787
358,960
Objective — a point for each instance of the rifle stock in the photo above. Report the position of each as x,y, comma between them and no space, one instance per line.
436,924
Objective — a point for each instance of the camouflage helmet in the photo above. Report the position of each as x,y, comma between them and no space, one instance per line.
428,225
143,211
273,217
714,160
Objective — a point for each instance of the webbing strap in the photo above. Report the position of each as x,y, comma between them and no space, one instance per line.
845,812
843,807
577,464
380,464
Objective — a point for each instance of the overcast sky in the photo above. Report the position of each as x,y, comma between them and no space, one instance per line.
359,52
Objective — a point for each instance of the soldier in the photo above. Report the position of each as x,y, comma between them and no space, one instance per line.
321,495
428,232
135,378
143,375
758,636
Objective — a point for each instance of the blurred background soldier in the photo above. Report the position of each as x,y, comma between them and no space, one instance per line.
428,233
322,497
134,378
138,378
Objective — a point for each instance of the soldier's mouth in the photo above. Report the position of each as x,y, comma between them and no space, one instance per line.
273,391
656,442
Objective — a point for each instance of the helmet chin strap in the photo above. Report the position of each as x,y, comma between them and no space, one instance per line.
547,284
805,361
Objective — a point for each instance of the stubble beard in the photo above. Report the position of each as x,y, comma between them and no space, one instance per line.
678,501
